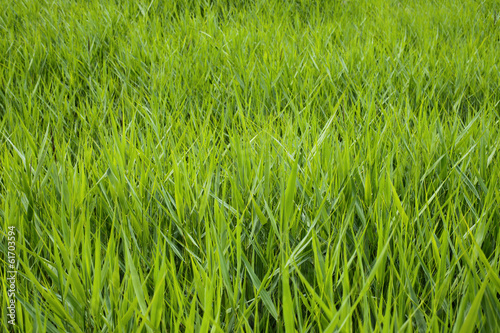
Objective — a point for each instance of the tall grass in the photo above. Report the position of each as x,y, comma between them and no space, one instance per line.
267,166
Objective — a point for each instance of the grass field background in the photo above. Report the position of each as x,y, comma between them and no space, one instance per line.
227,166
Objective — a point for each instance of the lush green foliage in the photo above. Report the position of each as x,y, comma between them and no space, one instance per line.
251,165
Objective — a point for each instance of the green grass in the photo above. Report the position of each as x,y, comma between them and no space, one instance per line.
195,166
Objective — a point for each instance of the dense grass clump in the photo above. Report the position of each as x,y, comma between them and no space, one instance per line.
235,166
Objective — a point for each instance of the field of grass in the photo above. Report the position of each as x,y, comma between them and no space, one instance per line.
236,166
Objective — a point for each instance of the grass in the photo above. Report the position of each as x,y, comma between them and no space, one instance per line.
267,166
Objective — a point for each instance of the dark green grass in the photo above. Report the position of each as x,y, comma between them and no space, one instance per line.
251,165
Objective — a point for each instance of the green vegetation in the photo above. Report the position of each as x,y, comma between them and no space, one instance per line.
196,165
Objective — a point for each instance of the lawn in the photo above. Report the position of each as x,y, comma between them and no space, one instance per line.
238,166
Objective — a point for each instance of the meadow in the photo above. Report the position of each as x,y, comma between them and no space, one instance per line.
239,166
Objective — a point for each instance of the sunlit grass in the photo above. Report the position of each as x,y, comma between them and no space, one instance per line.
226,166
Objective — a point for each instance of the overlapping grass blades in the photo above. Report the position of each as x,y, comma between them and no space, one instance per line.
275,166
